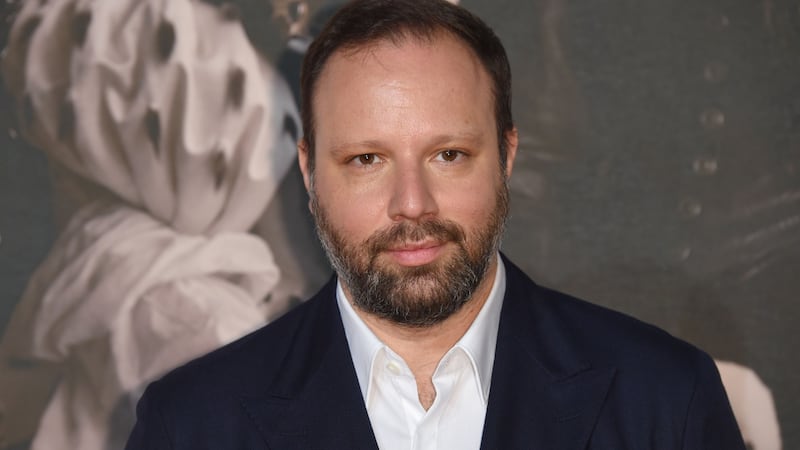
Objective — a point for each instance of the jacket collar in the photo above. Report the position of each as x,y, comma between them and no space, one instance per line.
545,393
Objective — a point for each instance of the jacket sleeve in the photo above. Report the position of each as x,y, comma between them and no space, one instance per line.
150,432
710,423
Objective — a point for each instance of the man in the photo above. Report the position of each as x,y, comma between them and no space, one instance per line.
427,338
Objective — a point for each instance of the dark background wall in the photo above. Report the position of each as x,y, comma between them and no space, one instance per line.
659,171
668,186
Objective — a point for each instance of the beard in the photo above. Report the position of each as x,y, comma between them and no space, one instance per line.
419,296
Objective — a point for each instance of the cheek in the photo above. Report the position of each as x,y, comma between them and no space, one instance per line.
471,212
469,202
355,212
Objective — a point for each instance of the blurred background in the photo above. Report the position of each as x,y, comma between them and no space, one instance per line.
151,208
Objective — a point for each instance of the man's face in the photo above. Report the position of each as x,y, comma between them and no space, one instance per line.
408,191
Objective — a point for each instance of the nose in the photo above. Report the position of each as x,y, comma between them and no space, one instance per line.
411,195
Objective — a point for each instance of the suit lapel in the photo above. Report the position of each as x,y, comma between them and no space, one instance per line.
316,402
543,395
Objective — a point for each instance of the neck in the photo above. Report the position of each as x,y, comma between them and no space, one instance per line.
423,348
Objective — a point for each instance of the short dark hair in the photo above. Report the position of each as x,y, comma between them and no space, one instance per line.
364,22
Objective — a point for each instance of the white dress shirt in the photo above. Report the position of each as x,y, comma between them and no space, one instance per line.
462,380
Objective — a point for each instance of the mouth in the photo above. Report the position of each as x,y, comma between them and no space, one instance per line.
411,254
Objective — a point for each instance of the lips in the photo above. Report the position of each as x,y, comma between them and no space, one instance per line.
416,253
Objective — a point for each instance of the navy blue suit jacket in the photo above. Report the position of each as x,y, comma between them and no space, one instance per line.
568,375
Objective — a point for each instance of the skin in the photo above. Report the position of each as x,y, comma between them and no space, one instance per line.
406,132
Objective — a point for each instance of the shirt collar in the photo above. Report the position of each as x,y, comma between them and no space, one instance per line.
363,343
478,342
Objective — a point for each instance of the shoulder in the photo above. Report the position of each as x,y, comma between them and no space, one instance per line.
660,386
611,337
658,391
593,335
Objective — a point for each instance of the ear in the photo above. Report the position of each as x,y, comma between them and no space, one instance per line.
302,160
512,142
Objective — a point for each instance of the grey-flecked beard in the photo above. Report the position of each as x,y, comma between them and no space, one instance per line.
419,296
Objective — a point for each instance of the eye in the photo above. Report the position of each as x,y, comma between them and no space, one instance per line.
450,155
367,159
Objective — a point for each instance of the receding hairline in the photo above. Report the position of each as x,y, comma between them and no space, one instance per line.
398,39
403,35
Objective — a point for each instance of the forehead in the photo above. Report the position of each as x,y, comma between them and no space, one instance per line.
409,85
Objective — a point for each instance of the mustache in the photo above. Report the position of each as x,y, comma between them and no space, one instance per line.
402,232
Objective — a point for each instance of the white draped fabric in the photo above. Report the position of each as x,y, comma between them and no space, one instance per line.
121,299
167,107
